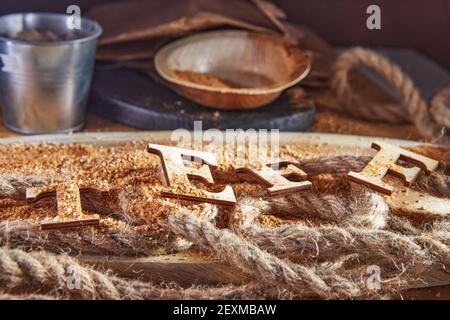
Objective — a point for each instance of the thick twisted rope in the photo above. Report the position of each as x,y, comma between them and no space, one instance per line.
332,240
48,275
117,239
121,239
440,109
302,280
363,208
44,272
413,108
333,164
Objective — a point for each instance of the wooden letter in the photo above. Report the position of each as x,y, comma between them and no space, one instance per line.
70,214
385,161
277,183
177,175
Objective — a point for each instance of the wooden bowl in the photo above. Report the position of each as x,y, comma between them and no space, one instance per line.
232,69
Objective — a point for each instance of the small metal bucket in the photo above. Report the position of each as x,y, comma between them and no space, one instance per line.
44,85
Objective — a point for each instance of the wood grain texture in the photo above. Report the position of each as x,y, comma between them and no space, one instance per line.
70,224
180,268
187,269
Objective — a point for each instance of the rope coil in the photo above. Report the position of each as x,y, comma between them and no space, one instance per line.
431,119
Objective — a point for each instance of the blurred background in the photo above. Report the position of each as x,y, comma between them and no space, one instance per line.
128,91
416,24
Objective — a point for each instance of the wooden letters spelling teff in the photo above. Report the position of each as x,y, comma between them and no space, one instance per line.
70,213
278,185
177,175
385,161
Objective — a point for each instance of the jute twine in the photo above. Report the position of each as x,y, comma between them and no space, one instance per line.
45,275
381,245
119,239
329,276
431,119
301,280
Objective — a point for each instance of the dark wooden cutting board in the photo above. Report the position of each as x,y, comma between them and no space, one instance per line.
133,98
